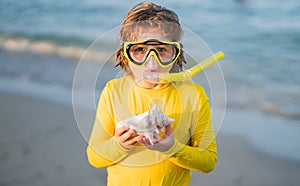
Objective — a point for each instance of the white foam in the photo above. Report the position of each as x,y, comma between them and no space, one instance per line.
47,47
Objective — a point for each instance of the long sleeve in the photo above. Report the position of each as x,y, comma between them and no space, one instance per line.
201,153
104,149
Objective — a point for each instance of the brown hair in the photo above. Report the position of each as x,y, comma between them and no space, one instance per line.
143,15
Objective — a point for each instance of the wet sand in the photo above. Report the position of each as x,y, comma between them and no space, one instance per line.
41,145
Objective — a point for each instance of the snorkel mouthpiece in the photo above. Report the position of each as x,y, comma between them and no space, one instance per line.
155,77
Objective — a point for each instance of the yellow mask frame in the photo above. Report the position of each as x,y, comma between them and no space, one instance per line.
152,52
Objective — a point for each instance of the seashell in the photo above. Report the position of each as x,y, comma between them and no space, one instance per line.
149,123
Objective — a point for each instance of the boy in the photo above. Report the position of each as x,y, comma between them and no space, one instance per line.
150,37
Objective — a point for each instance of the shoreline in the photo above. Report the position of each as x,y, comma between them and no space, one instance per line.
41,145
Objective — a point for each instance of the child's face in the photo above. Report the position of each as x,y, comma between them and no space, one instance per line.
151,64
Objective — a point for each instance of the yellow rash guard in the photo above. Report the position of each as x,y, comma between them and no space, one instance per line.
194,147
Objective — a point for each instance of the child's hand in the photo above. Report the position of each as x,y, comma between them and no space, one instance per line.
163,144
127,137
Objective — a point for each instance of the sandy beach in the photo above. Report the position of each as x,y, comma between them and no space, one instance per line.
41,145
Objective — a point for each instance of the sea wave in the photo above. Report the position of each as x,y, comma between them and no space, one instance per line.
23,44
276,110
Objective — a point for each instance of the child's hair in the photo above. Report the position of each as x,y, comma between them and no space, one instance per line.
143,15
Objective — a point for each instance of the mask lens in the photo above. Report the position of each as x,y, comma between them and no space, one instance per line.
166,53
138,52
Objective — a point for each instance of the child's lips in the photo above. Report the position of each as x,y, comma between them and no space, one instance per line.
150,70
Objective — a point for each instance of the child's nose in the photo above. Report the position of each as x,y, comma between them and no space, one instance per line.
151,63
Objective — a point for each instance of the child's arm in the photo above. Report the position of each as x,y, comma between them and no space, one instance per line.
201,153
104,149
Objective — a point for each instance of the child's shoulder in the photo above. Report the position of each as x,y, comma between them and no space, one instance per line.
119,82
187,85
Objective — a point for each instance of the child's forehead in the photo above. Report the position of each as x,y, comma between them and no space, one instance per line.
145,33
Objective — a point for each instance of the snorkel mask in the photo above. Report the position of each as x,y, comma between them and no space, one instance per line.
166,53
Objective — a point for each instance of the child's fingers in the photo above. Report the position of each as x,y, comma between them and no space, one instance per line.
145,141
124,137
132,140
119,131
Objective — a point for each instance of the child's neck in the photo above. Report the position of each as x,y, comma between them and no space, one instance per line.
149,85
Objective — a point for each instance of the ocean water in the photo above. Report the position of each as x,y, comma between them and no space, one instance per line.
42,42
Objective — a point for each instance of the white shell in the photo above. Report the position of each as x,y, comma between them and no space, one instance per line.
148,123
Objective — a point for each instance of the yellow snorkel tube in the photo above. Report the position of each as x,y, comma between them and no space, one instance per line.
186,75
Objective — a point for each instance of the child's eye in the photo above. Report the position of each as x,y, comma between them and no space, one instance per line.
161,49
139,49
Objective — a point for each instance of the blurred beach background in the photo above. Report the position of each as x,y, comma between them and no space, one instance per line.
42,43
